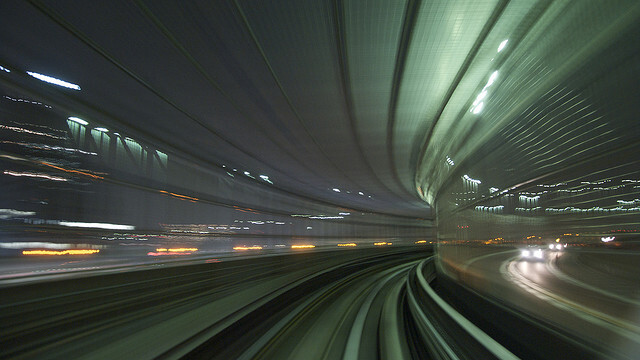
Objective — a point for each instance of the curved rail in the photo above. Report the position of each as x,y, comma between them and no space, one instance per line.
350,305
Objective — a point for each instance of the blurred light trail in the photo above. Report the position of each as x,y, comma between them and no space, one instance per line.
302,246
255,247
34,175
63,252
54,81
96,225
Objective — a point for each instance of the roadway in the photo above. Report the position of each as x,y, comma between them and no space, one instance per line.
356,303
586,295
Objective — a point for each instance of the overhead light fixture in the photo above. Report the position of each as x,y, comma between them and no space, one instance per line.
101,129
336,189
492,79
54,81
77,120
468,178
266,178
4,69
480,96
502,45
478,108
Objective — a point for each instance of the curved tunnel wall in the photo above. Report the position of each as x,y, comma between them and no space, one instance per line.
552,158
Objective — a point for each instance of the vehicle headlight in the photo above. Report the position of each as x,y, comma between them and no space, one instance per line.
538,253
526,253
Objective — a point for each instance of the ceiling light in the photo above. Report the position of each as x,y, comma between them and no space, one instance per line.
101,129
466,177
336,190
480,96
478,108
492,78
78,120
502,45
54,81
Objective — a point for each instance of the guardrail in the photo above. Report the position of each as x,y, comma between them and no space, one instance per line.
442,330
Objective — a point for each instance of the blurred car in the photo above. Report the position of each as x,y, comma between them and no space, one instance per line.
532,253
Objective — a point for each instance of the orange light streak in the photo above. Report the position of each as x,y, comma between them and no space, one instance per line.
184,197
63,252
70,171
255,247
177,249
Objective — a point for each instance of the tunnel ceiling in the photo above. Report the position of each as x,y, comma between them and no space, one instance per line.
333,100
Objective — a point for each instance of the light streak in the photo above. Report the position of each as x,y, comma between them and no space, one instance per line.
183,197
302,246
502,45
54,81
96,225
63,252
26,131
177,249
254,247
34,175
348,244
70,171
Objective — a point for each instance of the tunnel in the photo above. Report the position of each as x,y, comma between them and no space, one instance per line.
320,179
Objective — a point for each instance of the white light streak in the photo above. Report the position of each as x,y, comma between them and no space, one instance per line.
34,175
54,81
480,96
502,45
101,129
35,244
27,131
492,79
478,108
266,178
96,225
11,213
